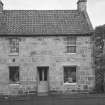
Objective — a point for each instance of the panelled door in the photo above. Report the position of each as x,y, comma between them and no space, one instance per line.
42,79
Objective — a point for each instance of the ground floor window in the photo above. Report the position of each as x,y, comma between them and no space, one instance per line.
14,74
70,74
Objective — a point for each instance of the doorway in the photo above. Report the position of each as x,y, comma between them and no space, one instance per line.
42,79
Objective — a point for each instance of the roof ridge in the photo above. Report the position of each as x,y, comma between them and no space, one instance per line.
40,10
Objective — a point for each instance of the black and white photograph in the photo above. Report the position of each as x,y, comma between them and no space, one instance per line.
52,52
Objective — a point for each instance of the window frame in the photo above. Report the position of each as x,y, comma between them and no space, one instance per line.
14,46
72,83
18,71
70,42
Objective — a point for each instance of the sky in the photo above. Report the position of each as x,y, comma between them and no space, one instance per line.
95,8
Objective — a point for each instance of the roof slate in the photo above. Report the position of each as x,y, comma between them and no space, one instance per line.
43,22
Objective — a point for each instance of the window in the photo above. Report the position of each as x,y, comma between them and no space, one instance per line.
70,74
14,45
14,74
70,44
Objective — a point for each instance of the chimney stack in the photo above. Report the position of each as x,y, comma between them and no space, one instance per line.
82,5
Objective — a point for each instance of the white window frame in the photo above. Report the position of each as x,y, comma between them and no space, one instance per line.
69,44
14,46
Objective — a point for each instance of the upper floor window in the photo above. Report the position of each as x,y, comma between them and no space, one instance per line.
70,44
14,46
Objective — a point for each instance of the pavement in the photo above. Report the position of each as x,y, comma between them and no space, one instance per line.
54,100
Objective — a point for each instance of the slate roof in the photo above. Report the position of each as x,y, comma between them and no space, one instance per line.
43,22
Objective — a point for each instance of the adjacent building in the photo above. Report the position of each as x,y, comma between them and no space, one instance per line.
45,51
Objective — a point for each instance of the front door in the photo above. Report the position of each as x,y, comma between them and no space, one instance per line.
43,79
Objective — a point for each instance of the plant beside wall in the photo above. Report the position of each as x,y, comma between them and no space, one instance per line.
99,58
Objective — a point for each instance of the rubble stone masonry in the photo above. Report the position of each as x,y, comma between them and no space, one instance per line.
46,51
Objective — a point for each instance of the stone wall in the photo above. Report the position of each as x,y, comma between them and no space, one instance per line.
46,51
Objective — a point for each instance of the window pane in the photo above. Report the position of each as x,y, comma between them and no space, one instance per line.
70,44
71,40
69,74
71,49
73,76
14,45
14,74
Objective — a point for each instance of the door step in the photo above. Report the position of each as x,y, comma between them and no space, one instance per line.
42,94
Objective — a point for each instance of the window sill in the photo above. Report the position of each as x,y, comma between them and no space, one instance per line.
70,83
13,54
71,53
17,83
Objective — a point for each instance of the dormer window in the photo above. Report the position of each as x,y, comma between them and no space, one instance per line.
14,46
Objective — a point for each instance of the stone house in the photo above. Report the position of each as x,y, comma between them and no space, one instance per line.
45,51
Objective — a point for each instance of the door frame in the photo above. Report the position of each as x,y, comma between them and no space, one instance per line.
38,76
